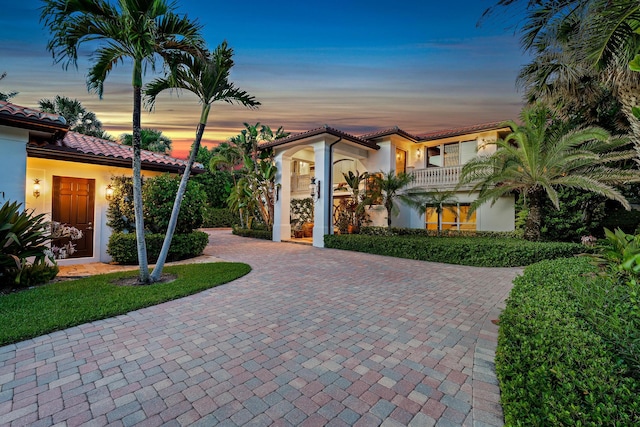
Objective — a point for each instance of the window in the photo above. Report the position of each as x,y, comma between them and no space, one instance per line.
455,153
452,217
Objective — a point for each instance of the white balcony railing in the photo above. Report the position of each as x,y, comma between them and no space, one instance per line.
437,177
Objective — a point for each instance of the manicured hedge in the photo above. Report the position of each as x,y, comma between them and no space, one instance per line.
396,231
219,218
123,250
256,234
476,251
554,370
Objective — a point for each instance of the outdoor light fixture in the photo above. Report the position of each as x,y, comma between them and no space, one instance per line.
36,188
314,188
419,153
108,192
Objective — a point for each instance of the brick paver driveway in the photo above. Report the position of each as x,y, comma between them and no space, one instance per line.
309,337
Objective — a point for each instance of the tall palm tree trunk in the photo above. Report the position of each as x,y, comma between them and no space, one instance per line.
137,187
534,219
182,188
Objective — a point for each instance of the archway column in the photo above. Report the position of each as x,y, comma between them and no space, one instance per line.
322,205
282,208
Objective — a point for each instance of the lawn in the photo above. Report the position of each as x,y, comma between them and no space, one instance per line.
60,305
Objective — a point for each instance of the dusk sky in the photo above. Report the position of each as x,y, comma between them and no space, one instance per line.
358,66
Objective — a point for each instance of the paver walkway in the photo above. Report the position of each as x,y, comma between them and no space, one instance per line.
310,337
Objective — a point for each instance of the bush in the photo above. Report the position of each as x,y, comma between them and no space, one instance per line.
120,214
394,231
158,195
476,251
256,234
217,186
123,250
553,368
36,274
627,221
216,217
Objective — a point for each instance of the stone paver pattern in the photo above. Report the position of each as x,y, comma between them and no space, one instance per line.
310,337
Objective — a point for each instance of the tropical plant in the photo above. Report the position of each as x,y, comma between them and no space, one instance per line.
150,139
258,175
206,76
390,187
78,118
22,235
436,199
571,38
6,96
136,30
225,157
540,156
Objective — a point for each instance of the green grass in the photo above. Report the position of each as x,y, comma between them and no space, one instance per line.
60,305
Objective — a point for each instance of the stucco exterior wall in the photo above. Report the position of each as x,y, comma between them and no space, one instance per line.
13,161
45,169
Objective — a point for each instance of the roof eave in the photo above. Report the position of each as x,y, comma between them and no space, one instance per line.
77,157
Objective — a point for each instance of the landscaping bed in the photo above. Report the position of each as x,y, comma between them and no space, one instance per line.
474,251
554,367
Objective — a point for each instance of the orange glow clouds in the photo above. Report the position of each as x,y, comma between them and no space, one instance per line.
417,65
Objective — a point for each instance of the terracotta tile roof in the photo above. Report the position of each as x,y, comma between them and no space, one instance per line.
88,149
391,131
101,147
461,131
19,114
319,131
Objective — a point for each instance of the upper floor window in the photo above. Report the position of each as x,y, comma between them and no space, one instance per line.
451,154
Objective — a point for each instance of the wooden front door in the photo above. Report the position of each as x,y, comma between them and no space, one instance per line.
73,204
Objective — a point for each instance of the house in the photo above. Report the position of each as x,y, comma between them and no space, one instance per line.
317,159
66,175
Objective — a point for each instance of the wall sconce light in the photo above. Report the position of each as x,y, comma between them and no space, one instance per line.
36,188
314,188
419,153
108,192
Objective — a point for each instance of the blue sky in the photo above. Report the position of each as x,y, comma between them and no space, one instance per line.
355,65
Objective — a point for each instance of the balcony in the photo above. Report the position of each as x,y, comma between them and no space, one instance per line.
446,177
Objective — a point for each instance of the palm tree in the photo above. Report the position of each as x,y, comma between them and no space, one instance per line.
226,156
6,96
150,139
207,77
574,40
435,199
137,30
540,156
389,187
78,118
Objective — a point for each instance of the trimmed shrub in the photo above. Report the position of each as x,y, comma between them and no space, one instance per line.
394,231
216,217
256,234
553,368
122,246
158,195
475,251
